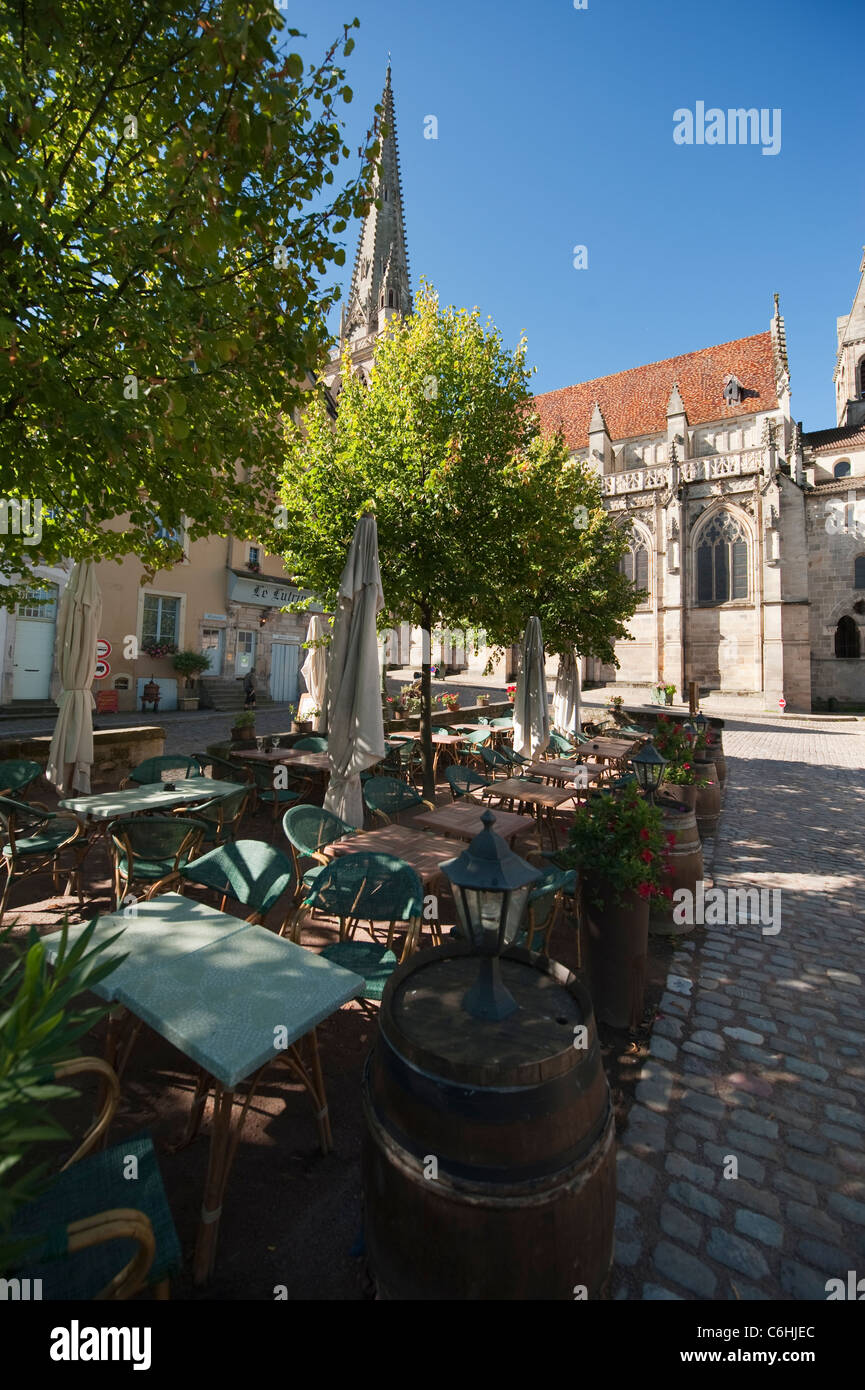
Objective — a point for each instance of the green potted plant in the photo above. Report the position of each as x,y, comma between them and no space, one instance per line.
669,693
618,843
190,664
243,728
43,1013
483,701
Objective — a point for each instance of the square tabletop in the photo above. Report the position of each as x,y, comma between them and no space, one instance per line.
213,986
301,758
154,796
562,768
234,1005
463,819
613,749
425,853
533,793
155,933
441,740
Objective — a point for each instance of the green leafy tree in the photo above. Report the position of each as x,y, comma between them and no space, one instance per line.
443,446
167,213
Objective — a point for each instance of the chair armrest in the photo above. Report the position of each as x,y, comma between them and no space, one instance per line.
49,814
121,1223
429,804
78,1066
163,885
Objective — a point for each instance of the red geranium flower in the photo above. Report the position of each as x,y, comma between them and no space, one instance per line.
644,834
644,890
647,856
667,892
671,840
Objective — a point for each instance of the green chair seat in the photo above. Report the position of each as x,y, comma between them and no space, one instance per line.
375,963
93,1185
42,842
151,869
309,878
284,796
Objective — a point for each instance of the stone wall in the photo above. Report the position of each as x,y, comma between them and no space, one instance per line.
115,751
831,556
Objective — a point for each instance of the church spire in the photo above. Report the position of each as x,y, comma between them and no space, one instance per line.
380,286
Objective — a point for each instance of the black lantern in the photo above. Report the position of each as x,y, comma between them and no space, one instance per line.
701,723
649,766
491,887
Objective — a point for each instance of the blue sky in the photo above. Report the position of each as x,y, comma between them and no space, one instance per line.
555,129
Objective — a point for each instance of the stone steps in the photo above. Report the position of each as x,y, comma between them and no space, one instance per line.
226,696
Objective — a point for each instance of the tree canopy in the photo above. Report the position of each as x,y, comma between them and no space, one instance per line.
168,209
475,508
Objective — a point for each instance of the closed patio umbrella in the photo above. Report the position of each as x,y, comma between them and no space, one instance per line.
70,757
314,672
531,712
354,720
566,698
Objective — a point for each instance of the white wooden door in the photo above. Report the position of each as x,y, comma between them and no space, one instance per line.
284,669
34,647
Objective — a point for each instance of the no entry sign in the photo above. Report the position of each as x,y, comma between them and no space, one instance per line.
782,704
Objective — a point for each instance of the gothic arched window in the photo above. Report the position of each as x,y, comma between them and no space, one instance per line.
722,560
634,565
859,572
842,468
390,303
861,376
846,638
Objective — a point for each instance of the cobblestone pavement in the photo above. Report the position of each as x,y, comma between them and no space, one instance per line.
758,1052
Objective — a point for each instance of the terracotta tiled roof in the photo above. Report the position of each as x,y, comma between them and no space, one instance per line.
635,402
830,441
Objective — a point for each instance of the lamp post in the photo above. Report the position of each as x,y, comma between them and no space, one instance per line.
701,723
491,886
649,766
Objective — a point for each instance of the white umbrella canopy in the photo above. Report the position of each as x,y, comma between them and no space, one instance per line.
531,712
70,757
566,698
355,729
314,672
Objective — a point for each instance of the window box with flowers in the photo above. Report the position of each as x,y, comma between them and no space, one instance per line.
510,691
618,843
158,650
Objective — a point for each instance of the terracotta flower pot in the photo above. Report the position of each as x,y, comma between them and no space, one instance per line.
618,943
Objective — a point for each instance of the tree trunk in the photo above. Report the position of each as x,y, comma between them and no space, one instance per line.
426,703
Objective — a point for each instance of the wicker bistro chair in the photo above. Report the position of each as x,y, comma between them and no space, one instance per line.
221,816
152,770
311,743
505,723
402,759
469,750
308,830
388,797
223,769
497,761
372,888
82,1238
463,780
277,787
251,872
34,841
147,848
17,774
545,907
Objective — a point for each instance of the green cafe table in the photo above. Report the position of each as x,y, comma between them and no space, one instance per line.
232,998
107,806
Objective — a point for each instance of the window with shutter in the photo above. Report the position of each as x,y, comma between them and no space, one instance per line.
859,572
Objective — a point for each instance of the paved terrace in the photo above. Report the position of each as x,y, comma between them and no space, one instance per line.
759,1048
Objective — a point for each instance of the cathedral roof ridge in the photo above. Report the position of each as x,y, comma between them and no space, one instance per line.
635,401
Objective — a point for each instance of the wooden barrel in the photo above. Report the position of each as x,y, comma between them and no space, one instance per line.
686,862
716,752
708,799
616,937
488,1155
